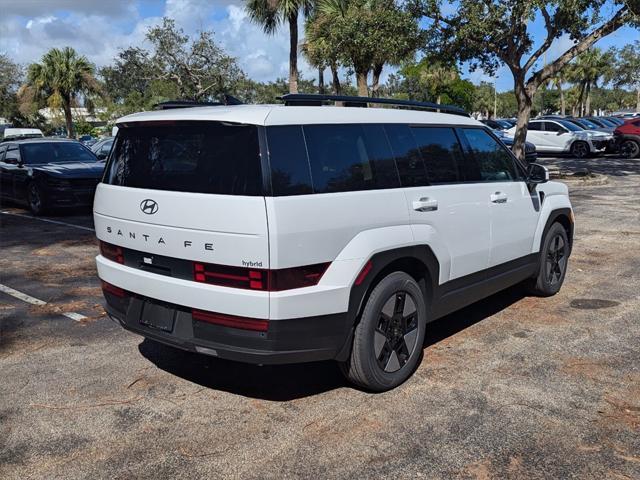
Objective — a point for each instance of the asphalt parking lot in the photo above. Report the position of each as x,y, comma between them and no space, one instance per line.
510,387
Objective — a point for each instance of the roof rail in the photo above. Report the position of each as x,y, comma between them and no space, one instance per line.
313,99
226,100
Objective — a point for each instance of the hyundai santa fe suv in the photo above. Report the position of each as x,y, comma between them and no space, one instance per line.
302,232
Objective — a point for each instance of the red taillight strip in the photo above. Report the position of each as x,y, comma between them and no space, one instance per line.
254,324
112,252
112,289
259,279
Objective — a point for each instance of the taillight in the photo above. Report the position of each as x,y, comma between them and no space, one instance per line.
296,277
232,321
259,279
226,276
112,252
112,289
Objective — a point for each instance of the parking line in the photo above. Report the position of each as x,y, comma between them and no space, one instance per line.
21,296
36,301
48,221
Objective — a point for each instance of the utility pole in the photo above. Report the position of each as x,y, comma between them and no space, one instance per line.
495,98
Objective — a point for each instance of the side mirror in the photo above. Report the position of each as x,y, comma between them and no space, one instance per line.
560,132
102,156
537,174
13,161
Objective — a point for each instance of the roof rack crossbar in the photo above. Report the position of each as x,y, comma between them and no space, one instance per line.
171,104
314,99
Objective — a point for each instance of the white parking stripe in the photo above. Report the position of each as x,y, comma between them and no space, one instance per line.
48,221
36,301
21,296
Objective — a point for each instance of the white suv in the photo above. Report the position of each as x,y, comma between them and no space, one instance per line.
562,136
280,234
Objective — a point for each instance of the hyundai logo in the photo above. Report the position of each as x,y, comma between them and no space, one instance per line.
149,206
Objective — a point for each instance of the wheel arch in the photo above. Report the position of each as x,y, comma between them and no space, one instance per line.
563,216
419,261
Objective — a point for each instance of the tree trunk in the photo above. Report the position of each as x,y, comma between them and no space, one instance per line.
377,71
66,106
293,53
563,105
638,100
587,102
337,89
321,81
439,99
525,101
361,77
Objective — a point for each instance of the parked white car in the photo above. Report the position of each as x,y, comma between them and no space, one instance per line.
283,234
18,133
562,136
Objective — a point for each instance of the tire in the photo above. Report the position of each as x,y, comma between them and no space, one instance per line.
630,148
580,149
35,199
388,340
554,258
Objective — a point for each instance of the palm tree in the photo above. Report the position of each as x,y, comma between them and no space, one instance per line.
586,71
270,14
59,79
438,77
557,81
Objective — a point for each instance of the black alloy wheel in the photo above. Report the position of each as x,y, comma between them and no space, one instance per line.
397,332
580,149
388,339
556,260
34,197
630,149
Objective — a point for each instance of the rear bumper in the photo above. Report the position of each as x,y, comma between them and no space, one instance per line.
70,197
285,341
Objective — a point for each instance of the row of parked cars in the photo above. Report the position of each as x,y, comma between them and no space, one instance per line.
580,137
44,173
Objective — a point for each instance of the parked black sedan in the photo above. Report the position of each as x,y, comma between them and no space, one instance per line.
47,173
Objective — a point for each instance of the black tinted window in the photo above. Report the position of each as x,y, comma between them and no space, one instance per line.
535,126
440,151
408,159
201,157
349,157
553,127
33,153
290,174
490,161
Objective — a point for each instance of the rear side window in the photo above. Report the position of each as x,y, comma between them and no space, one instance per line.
199,157
490,161
349,157
553,127
535,126
408,159
290,172
440,151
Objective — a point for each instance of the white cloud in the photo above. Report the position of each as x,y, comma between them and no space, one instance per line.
99,28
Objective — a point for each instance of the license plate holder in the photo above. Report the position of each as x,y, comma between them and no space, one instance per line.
157,316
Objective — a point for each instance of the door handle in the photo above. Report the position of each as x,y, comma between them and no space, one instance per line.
499,197
425,204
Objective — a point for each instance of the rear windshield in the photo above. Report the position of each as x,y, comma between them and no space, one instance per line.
34,153
199,157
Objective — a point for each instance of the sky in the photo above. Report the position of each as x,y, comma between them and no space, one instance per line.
98,29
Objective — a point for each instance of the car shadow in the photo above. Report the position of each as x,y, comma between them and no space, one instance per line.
289,382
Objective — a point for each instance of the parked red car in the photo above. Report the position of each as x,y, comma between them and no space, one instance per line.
627,138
